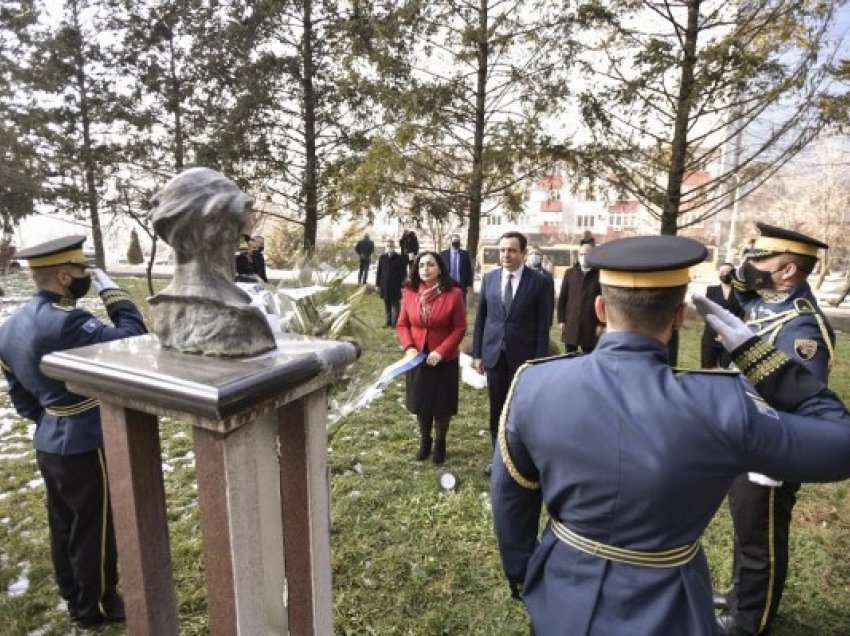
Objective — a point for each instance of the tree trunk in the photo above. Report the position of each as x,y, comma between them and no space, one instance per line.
477,178
86,151
311,212
684,102
824,270
149,269
175,107
845,289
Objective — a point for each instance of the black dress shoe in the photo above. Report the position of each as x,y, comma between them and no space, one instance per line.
721,601
113,605
726,626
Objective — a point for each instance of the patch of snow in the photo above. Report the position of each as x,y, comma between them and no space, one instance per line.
20,585
38,482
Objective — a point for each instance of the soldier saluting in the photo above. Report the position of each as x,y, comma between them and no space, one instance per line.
772,287
632,459
68,438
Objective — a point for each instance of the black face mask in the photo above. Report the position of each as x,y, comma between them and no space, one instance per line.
456,245
726,279
755,278
79,287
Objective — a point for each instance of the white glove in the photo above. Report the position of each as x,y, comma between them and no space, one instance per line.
731,330
101,281
763,480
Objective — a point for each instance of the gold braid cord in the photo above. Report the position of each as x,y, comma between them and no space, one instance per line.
111,296
513,471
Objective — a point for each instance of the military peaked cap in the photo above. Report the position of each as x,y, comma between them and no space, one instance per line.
777,240
647,261
61,251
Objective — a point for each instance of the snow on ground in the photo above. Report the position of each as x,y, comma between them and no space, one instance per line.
20,585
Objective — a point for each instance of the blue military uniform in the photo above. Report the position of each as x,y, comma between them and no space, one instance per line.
761,513
68,437
631,461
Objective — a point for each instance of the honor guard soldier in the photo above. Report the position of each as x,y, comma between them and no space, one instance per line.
68,437
632,459
778,305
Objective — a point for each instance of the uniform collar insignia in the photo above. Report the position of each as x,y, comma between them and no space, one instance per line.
773,297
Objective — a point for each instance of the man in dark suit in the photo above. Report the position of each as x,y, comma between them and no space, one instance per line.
459,266
512,323
258,244
364,248
576,313
713,353
392,270
535,262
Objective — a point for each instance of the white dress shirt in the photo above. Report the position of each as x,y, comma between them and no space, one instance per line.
514,282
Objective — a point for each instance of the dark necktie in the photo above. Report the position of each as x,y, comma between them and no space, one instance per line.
508,296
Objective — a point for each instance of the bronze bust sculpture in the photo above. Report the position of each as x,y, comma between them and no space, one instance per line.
200,213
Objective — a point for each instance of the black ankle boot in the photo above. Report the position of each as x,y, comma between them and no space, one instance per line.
439,451
424,449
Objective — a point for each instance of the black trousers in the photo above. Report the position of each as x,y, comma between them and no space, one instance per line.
499,380
712,354
762,520
82,538
391,309
363,272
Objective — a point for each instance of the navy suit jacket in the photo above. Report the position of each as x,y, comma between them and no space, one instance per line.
465,267
522,334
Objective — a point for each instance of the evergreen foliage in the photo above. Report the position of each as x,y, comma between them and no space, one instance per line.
134,251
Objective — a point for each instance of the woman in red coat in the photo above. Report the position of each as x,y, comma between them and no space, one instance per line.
432,319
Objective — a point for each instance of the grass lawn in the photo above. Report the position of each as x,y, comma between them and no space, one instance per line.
407,558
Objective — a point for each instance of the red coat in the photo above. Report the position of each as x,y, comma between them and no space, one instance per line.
447,328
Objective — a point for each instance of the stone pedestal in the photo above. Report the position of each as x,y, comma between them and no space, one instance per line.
260,446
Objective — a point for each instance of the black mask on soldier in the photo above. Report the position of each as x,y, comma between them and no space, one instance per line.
726,279
456,245
755,278
79,287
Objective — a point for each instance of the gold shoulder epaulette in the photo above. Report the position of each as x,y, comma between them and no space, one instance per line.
683,371
62,307
560,356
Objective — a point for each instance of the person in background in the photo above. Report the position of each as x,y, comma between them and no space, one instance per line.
580,326
258,260
712,352
432,320
409,246
534,260
392,270
587,238
68,438
512,322
365,248
459,265
244,263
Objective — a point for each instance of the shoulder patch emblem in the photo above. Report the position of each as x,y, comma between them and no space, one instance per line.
763,407
805,348
91,325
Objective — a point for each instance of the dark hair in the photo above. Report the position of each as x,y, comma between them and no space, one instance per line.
445,282
650,308
523,242
804,263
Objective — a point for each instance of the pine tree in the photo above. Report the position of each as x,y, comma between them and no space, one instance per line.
20,169
134,251
73,87
675,88
464,129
